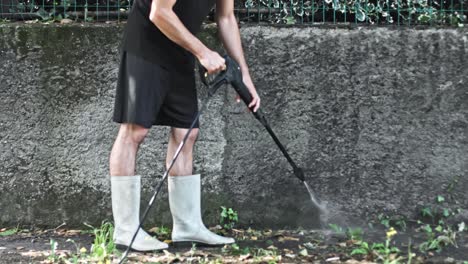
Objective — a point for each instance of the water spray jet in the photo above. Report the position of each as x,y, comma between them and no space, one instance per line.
233,76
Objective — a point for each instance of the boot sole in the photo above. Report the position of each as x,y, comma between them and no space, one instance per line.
124,247
179,244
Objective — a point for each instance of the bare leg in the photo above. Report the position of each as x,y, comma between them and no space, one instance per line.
184,191
123,154
184,163
125,190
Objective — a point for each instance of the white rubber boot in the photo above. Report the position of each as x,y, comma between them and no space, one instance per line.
125,191
184,201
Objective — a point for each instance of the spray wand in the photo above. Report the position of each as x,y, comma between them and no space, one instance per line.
233,76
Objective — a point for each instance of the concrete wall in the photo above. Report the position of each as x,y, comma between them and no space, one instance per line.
378,118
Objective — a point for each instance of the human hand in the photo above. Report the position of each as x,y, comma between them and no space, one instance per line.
212,61
255,103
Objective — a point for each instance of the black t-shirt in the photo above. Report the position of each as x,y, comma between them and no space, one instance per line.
142,38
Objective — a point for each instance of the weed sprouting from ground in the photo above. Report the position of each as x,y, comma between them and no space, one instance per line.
228,218
103,246
102,250
9,232
163,233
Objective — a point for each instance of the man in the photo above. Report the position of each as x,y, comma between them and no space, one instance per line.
156,86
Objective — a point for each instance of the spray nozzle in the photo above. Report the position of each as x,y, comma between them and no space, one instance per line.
299,173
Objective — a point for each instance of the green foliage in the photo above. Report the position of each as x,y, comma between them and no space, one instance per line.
440,199
256,252
384,252
101,249
438,238
229,218
53,248
378,11
336,228
396,221
103,245
354,233
427,211
384,220
9,232
234,249
161,232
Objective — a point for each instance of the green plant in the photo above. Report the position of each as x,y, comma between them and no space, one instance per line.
234,249
271,255
103,245
435,241
382,11
162,232
53,248
462,227
396,221
336,228
228,218
354,233
428,212
401,223
411,255
384,220
80,253
384,252
9,232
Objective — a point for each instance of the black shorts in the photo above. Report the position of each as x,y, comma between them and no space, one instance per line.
149,94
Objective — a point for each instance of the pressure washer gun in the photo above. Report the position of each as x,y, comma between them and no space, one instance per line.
233,76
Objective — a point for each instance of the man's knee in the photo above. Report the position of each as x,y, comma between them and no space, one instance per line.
132,133
193,135
178,135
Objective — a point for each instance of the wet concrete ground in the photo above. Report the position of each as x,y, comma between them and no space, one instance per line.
252,246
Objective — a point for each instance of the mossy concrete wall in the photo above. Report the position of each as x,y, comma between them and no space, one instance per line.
378,118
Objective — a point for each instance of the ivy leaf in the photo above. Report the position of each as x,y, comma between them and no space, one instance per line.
461,227
360,15
446,212
440,199
358,251
290,20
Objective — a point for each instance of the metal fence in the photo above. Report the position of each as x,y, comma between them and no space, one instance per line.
312,12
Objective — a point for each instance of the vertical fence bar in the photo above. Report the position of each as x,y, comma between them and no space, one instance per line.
323,11
258,12
269,10
312,11
302,12
398,12
118,10
97,10
410,10
64,8
452,13
367,12
291,11
248,14
108,9
430,12
377,22
53,9
334,11
355,15
389,15
345,12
